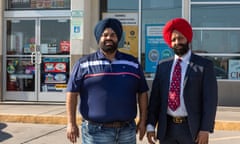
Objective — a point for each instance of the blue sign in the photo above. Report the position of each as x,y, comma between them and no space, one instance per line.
156,49
76,29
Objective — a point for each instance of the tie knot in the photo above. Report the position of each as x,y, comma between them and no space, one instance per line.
179,60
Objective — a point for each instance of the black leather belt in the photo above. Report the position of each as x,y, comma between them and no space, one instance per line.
177,120
115,124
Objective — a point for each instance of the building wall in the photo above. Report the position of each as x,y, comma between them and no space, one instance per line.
90,18
1,46
228,90
228,93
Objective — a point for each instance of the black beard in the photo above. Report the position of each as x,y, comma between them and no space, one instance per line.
182,51
109,49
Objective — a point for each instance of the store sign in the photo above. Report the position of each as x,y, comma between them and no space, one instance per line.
77,24
77,13
38,4
234,69
156,49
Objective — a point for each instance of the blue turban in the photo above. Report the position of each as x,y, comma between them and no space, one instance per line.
112,23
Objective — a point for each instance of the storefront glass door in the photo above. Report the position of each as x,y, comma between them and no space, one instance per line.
20,74
36,59
55,49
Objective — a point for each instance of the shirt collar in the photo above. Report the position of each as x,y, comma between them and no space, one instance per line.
100,55
184,58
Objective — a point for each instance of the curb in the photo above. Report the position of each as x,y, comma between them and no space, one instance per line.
49,119
46,119
227,125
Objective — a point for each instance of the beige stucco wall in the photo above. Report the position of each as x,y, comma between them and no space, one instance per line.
1,24
81,47
1,47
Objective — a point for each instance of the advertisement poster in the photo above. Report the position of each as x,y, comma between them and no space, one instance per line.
129,41
156,49
55,74
55,67
234,69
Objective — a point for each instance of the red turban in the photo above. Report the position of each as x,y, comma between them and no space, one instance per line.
180,25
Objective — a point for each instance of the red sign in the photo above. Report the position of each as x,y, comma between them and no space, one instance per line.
64,46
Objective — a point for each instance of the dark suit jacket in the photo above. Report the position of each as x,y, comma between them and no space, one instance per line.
199,92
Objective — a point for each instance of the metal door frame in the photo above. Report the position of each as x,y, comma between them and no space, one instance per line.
37,16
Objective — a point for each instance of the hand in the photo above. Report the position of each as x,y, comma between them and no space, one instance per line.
202,137
141,128
151,137
72,132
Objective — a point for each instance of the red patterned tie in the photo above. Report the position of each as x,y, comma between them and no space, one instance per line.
175,87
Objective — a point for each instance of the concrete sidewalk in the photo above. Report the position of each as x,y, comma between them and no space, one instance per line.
228,118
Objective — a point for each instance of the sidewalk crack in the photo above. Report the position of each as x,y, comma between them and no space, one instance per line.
40,136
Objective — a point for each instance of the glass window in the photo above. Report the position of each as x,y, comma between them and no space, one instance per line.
215,0
160,11
226,67
215,15
122,5
20,74
37,4
55,40
216,35
216,41
155,13
20,37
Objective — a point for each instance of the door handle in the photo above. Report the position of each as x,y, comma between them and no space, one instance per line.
33,57
36,57
39,56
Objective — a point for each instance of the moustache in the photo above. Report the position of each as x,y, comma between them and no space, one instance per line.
181,51
108,41
179,45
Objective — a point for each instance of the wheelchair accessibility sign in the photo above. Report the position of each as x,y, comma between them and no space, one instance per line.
76,28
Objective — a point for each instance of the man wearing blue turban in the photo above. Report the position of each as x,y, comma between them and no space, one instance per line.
107,83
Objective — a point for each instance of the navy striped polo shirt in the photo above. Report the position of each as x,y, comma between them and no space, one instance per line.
107,88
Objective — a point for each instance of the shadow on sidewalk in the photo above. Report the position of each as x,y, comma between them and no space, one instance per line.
3,135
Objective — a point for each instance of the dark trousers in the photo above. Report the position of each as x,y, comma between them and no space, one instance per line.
177,133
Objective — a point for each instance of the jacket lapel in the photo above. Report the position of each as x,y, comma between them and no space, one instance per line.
189,69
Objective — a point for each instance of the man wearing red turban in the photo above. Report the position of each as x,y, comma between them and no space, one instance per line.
183,99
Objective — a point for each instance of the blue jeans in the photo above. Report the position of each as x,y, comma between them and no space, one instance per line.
97,134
